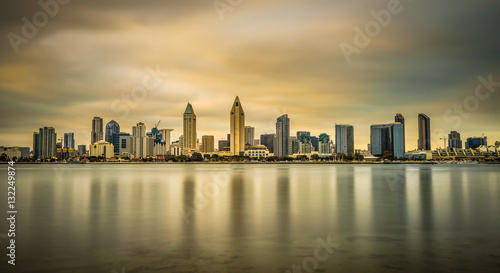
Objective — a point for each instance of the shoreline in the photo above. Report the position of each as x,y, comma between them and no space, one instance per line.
267,163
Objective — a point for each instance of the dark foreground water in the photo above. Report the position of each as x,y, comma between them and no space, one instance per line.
255,218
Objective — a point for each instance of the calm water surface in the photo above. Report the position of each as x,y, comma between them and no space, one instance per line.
256,218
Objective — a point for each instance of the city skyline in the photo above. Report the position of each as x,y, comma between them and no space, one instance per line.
189,111
287,62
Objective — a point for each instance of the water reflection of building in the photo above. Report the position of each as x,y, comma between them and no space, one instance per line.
188,246
283,204
237,187
345,199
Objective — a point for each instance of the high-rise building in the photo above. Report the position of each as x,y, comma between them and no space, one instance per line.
112,127
256,141
82,149
315,143
476,142
305,146
237,128
300,133
36,145
48,148
207,143
454,140
344,139
165,133
96,134
159,145
268,141
222,144
249,135
387,138
142,145
399,118
122,142
189,129
295,145
69,140
424,132
125,144
324,145
282,136
59,151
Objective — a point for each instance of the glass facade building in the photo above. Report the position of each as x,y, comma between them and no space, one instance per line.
475,142
387,137
112,128
424,132
454,140
268,141
120,143
69,140
399,118
282,136
344,138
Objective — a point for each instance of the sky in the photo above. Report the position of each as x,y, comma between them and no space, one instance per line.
321,62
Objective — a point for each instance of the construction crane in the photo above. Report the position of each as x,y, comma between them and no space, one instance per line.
444,141
156,125
62,147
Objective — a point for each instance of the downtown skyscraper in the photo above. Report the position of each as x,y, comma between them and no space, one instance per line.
96,134
454,140
268,141
387,138
344,139
282,136
112,128
424,132
237,128
399,118
69,140
142,145
47,143
189,129
249,135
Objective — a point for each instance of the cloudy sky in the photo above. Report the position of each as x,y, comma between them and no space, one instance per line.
142,61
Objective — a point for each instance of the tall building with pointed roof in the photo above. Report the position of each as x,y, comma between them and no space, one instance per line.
237,130
189,128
